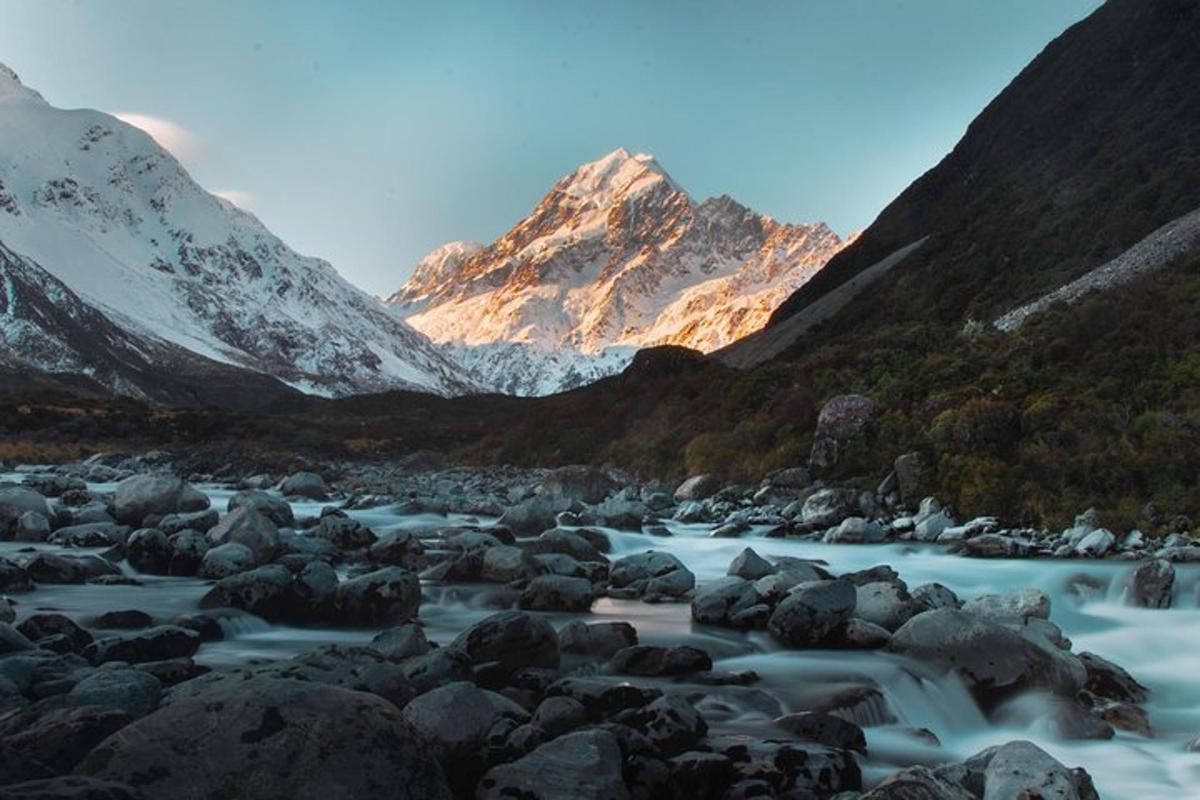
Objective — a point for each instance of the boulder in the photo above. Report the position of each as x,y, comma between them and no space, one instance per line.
885,603
1022,769
16,501
697,487
652,575
401,642
600,640
856,530
248,527
826,507
133,692
455,720
1096,544
226,560
68,569
40,626
90,534
578,483
188,548
265,591
257,741
558,593
71,787
42,744
343,532
585,765
194,520
31,527
909,470
935,595
142,495
534,515
918,783
12,640
812,612
386,596
843,421
1151,584
650,660
273,508
147,550
1108,680
824,728
158,643
750,566
731,602
994,660
670,723
1019,605
304,484
513,639
398,549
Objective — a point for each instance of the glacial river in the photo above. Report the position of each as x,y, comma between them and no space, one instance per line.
1160,648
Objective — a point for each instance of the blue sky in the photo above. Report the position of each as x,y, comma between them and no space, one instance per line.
370,132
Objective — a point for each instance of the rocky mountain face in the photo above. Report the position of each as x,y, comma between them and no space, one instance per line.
1089,150
615,257
117,238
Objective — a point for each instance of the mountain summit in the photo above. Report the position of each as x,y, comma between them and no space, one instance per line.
615,257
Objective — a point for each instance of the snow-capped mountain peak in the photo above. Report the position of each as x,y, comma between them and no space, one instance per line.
11,88
615,257
115,218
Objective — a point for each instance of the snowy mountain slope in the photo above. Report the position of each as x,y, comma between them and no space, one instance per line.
102,208
615,257
45,328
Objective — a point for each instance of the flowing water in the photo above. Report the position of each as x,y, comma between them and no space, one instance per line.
1158,647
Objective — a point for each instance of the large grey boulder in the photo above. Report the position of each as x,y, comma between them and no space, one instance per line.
827,507
813,612
653,574
993,659
157,643
750,566
599,640
513,639
147,550
856,530
843,421
1152,584
558,593
697,487
585,765
455,719
249,527
42,743
1020,605
1022,769
535,514
274,508
258,739
228,559
304,484
387,596
265,591
131,691
730,602
142,495
18,500
885,603
579,483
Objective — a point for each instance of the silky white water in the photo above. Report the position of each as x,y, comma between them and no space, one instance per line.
1158,647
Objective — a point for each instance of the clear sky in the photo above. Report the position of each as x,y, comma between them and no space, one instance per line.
370,132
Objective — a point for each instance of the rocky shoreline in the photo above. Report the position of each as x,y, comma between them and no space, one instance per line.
521,701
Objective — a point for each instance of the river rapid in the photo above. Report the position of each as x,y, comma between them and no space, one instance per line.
1158,647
